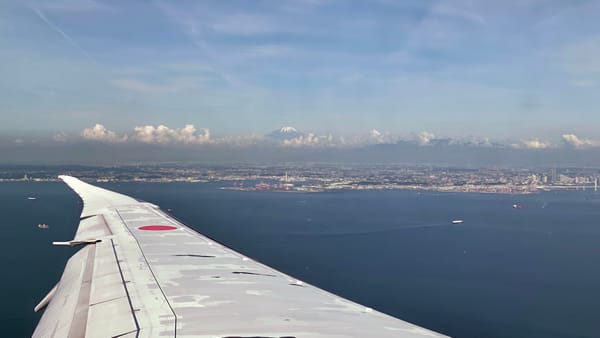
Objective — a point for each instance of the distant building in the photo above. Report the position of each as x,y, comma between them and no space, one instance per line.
563,179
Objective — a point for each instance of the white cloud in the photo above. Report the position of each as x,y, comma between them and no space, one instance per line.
310,140
100,133
377,137
374,136
533,143
425,138
574,141
189,135
164,135
160,134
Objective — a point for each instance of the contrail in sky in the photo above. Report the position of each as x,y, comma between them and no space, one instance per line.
60,31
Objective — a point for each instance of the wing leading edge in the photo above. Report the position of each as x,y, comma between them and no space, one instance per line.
141,273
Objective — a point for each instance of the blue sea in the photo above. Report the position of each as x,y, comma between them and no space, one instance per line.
504,272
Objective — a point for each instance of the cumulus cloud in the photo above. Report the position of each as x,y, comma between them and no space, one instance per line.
100,133
576,142
165,135
378,137
290,137
425,138
310,140
533,143
375,136
160,134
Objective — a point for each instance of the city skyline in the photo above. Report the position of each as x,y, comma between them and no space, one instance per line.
520,74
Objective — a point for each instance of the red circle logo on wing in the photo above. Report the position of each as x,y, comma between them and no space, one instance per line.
157,227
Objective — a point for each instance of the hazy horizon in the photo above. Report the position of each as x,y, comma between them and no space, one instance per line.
406,153
512,83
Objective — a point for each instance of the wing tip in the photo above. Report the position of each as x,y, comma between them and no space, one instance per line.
68,179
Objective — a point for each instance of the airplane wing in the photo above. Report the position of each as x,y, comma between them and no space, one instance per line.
142,273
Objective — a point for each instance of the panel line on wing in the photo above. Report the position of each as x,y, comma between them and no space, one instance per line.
137,325
81,309
151,272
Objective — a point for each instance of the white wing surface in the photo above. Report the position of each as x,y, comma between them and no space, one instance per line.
141,273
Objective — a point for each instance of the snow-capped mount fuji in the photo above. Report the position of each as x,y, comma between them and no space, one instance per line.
284,133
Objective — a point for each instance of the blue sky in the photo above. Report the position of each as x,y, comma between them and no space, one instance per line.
519,70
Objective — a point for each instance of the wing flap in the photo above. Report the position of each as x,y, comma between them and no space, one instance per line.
110,318
90,298
58,318
93,227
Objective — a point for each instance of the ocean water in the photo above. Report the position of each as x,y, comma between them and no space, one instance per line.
504,272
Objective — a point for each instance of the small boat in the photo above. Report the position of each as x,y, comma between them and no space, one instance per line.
517,206
457,221
31,198
43,226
